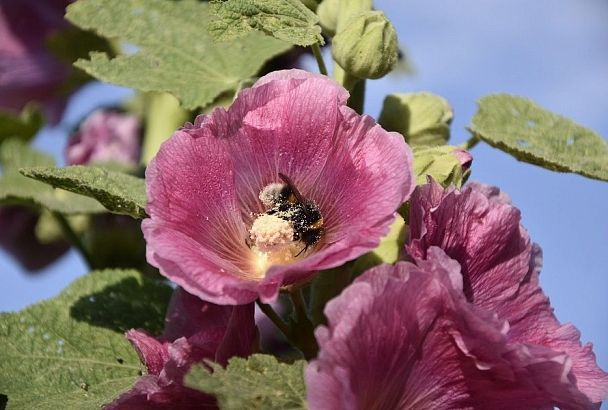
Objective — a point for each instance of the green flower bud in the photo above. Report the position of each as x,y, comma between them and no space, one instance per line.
446,164
366,46
333,13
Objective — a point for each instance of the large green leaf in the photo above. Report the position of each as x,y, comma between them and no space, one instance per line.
531,134
174,51
288,20
15,188
69,352
259,382
120,193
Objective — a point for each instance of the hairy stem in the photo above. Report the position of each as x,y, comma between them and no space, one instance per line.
316,50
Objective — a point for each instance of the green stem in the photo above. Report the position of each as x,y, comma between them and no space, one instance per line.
74,239
316,50
274,317
356,87
470,143
303,330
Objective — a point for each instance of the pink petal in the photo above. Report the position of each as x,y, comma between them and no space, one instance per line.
404,337
204,185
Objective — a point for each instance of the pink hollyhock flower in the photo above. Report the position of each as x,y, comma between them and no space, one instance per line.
405,337
225,223
194,330
479,228
105,136
28,71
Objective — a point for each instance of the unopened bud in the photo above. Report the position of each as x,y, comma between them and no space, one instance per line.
366,46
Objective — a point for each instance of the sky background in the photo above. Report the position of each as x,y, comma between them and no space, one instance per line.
552,51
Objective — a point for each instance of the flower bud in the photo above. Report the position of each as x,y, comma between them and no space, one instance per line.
366,46
445,164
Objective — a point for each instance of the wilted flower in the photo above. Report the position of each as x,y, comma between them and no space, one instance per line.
224,221
405,337
194,330
28,71
105,136
18,238
480,229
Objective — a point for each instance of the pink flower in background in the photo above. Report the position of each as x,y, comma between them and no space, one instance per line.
225,224
105,136
194,330
28,71
405,337
479,228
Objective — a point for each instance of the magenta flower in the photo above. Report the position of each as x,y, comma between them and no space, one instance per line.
105,136
480,229
194,330
224,222
28,71
405,337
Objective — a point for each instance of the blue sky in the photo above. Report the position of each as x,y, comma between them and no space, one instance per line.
553,51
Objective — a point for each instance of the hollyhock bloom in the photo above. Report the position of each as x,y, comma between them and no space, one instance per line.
28,71
405,337
194,330
105,136
224,221
479,228
18,238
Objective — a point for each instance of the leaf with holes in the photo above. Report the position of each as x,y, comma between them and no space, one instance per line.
531,134
69,352
174,51
120,193
257,382
17,189
288,20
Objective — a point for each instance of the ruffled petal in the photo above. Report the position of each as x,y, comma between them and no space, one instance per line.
404,337
480,229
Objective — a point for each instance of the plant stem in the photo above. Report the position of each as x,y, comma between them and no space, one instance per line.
274,317
303,332
470,143
67,230
316,50
356,87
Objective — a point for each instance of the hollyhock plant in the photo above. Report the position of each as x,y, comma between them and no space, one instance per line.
28,71
194,331
405,337
105,136
285,182
479,228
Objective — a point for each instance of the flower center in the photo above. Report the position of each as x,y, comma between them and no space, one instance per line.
290,226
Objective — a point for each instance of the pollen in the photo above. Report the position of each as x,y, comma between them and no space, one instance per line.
270,194
272,243
270,232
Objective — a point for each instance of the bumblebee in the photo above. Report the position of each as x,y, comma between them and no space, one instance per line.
303,214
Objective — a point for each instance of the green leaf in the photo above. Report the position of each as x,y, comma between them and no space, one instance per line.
422,118
388,251
439,163
174,50
24,125
259,382
15,188
531,134
120,193
288,20
69,352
